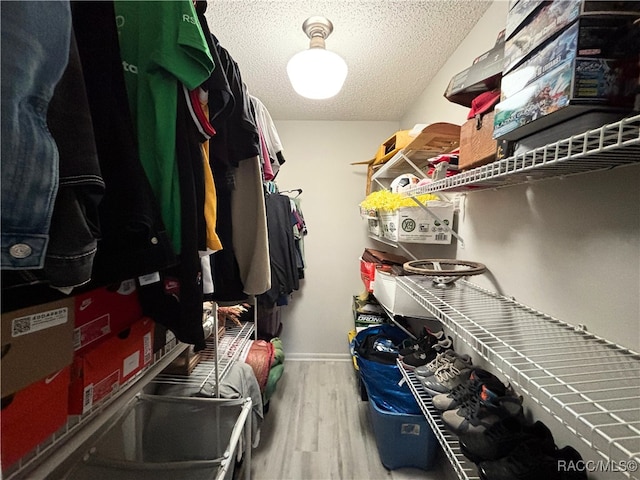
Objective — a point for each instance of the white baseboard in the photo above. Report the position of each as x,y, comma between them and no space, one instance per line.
318,357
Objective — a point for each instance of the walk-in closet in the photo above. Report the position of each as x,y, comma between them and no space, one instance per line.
313,240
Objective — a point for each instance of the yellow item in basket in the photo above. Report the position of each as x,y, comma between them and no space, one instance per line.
389,201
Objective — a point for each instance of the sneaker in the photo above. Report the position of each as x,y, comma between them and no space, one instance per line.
424,342
501,438
422,357
482,411
431,367
532,461
448,376
468,389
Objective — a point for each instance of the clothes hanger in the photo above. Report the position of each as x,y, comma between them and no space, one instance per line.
297,191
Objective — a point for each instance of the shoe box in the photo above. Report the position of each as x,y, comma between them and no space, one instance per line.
103,312
36,342
588,63
100,371
32,414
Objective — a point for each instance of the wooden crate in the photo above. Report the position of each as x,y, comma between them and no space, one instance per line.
477,146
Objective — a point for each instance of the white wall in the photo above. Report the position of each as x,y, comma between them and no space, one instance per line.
569,248
318,157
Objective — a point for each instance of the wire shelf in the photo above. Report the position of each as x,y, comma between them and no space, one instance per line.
230,347
589,384
613,145
53,451
449,442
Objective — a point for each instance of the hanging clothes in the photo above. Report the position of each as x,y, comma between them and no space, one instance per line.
284,273
299,232
75,224
159,49
133,240
271,137
249,218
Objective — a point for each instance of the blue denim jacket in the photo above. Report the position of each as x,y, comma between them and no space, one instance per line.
35,49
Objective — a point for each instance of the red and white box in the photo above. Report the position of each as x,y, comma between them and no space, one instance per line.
103,312
32,415
99,372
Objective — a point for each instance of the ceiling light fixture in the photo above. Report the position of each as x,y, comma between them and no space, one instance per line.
317,73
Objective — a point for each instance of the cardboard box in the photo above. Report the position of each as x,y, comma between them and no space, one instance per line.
184,363
519,14
572,89
394,299
31,415
540,27
36,341
103,312
553,17
482,76
391,146
598,36
477,145
100,371
367,313
414,225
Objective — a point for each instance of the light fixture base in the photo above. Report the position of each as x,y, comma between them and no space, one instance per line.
317,26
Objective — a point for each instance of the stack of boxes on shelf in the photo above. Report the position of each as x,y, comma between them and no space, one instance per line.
37,350
560,67
63,357
563,59
114,342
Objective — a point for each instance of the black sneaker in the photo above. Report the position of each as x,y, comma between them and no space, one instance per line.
463,392
483,411
422,357
531,461
500,439
424,342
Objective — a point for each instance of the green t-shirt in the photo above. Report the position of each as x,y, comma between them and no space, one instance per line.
161,44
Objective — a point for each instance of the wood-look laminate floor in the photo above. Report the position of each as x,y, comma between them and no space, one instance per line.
318,428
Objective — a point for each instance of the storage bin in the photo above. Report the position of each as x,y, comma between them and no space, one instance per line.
403,440
394,299
163,437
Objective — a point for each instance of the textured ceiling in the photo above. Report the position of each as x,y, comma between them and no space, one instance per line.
392,48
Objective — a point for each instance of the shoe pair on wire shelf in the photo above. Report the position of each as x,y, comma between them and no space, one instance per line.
414,353
488,418
513,449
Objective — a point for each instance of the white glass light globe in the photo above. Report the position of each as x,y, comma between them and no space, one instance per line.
317,73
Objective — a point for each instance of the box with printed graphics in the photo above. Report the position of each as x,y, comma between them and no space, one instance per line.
415,225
